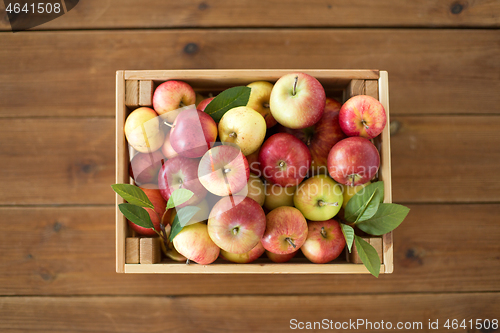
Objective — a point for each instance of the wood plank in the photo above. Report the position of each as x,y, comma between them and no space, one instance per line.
116,14
70,250
430,71
57,161
132,250
242,314
71,160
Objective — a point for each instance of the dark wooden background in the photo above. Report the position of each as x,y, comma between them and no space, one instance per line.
57,257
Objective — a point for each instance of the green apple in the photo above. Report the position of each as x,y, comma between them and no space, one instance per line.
319,198
244,127
259,100
277,196
350,191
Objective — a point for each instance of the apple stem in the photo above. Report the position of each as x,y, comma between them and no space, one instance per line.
281,164
323,233
266,105
289,240
187,261
363,122
352,180
227,170
321,203
232,135
168,124
295,86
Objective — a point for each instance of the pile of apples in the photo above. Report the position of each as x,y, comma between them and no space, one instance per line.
268,177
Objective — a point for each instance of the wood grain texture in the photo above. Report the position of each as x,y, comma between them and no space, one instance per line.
71,160
439,248
430,71
238,314
119,14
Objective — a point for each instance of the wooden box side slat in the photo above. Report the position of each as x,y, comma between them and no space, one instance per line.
121,170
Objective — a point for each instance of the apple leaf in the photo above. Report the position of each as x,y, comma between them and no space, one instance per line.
387,218
364,203
136,215
133,194
178,197
226,100
368,255
348,232
182,219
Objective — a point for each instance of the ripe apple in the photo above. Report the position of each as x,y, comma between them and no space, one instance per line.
321,137
194,243
200,216
284,160
325,241
236,227
280,258
259,100
193,133
319,198
353,161
244,127
181,172
159,209
244,258
144,168
255,189
223,170
286,230
297,100
167,149
349,191
277,196
170,96
362,115
142,129
203,104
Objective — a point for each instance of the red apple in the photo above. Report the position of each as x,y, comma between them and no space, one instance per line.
194,243
223,170
353,161
181,172
284,160
244,258
159,204
297,100
362,115
203,104
325,241
286,230
167,149
236,224
280,258
193,133
144,167
321,137
170,96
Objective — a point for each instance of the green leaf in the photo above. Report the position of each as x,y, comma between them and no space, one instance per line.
182,219
348,232
387,218
136,215
178,197
365,202
133,194
226,100
368,255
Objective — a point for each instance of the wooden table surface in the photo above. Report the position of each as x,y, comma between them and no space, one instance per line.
57,270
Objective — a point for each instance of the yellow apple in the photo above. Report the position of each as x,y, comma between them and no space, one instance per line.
142,129
259,100
277,196
244,127
255,189
349,191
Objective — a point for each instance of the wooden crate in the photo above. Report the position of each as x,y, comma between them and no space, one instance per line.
134,89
